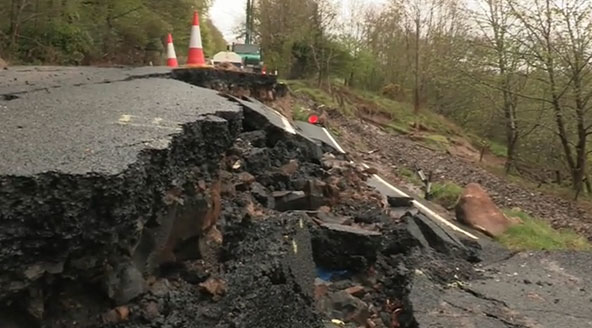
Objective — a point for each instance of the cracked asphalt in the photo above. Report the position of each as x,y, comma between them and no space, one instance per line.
92,120
534,290
97,120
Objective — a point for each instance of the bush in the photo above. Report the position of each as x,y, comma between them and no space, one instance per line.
58,43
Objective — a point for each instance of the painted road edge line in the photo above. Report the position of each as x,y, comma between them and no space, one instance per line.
335,144
424,209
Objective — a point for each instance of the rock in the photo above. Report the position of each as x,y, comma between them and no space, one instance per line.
262,195
400,201
357,291
160,288
258,160
346,307
321,288
476,209
296,200
3,64
125,283
290,168
340,247
257,138
151,311
245,180
216,287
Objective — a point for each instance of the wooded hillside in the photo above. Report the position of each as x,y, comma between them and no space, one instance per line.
72,32
516,72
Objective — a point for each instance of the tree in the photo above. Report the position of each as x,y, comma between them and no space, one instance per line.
557,39
495,23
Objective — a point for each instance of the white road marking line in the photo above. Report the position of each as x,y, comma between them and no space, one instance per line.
287,125
334,141
157,120
125,118
152,126
425,210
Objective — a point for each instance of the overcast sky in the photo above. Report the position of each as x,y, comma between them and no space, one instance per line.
228,14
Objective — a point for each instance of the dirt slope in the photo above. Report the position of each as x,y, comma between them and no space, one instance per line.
395,151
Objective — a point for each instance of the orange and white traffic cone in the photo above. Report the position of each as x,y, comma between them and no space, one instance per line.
196,54
171,54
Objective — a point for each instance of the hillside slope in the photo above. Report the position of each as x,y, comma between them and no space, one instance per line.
382,132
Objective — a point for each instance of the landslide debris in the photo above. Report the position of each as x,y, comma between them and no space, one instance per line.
238,224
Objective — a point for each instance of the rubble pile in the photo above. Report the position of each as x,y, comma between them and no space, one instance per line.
302,241
238,224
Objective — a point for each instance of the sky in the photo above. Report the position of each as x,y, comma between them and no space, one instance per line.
228,14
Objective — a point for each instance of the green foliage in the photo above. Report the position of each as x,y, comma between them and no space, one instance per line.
299,113
535,234
72,32
319,96
394,92
409,176
498,149
446,193
57,43
436,141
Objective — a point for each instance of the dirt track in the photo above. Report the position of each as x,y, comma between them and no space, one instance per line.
397,151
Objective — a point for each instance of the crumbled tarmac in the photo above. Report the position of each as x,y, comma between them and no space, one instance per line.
240,223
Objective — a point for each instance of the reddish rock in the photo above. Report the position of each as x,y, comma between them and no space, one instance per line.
216,287
476,209
357,291
290,168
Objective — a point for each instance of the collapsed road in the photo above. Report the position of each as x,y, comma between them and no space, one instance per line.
131,199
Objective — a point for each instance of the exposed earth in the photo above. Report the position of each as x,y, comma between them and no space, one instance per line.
398,151
234,218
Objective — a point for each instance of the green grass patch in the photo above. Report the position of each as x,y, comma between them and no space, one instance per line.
437,141
498,149
316,94
399,128
299,113
536,234
446,193
409,176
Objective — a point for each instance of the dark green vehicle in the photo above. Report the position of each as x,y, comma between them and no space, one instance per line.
251,55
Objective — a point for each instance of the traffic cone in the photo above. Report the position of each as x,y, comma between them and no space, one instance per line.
196,54
171,55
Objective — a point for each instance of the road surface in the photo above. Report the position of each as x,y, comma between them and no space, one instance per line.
56,124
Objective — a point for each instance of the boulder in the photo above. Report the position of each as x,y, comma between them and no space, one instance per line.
3,63
476,209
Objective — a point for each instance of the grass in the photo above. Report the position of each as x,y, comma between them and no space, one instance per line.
438,141
299,113
536,234
402,113
312,92
409,176
498,149
446,193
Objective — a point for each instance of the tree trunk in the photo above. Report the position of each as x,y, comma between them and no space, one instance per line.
416,105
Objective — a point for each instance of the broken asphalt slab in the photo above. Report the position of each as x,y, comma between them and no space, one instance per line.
94,178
